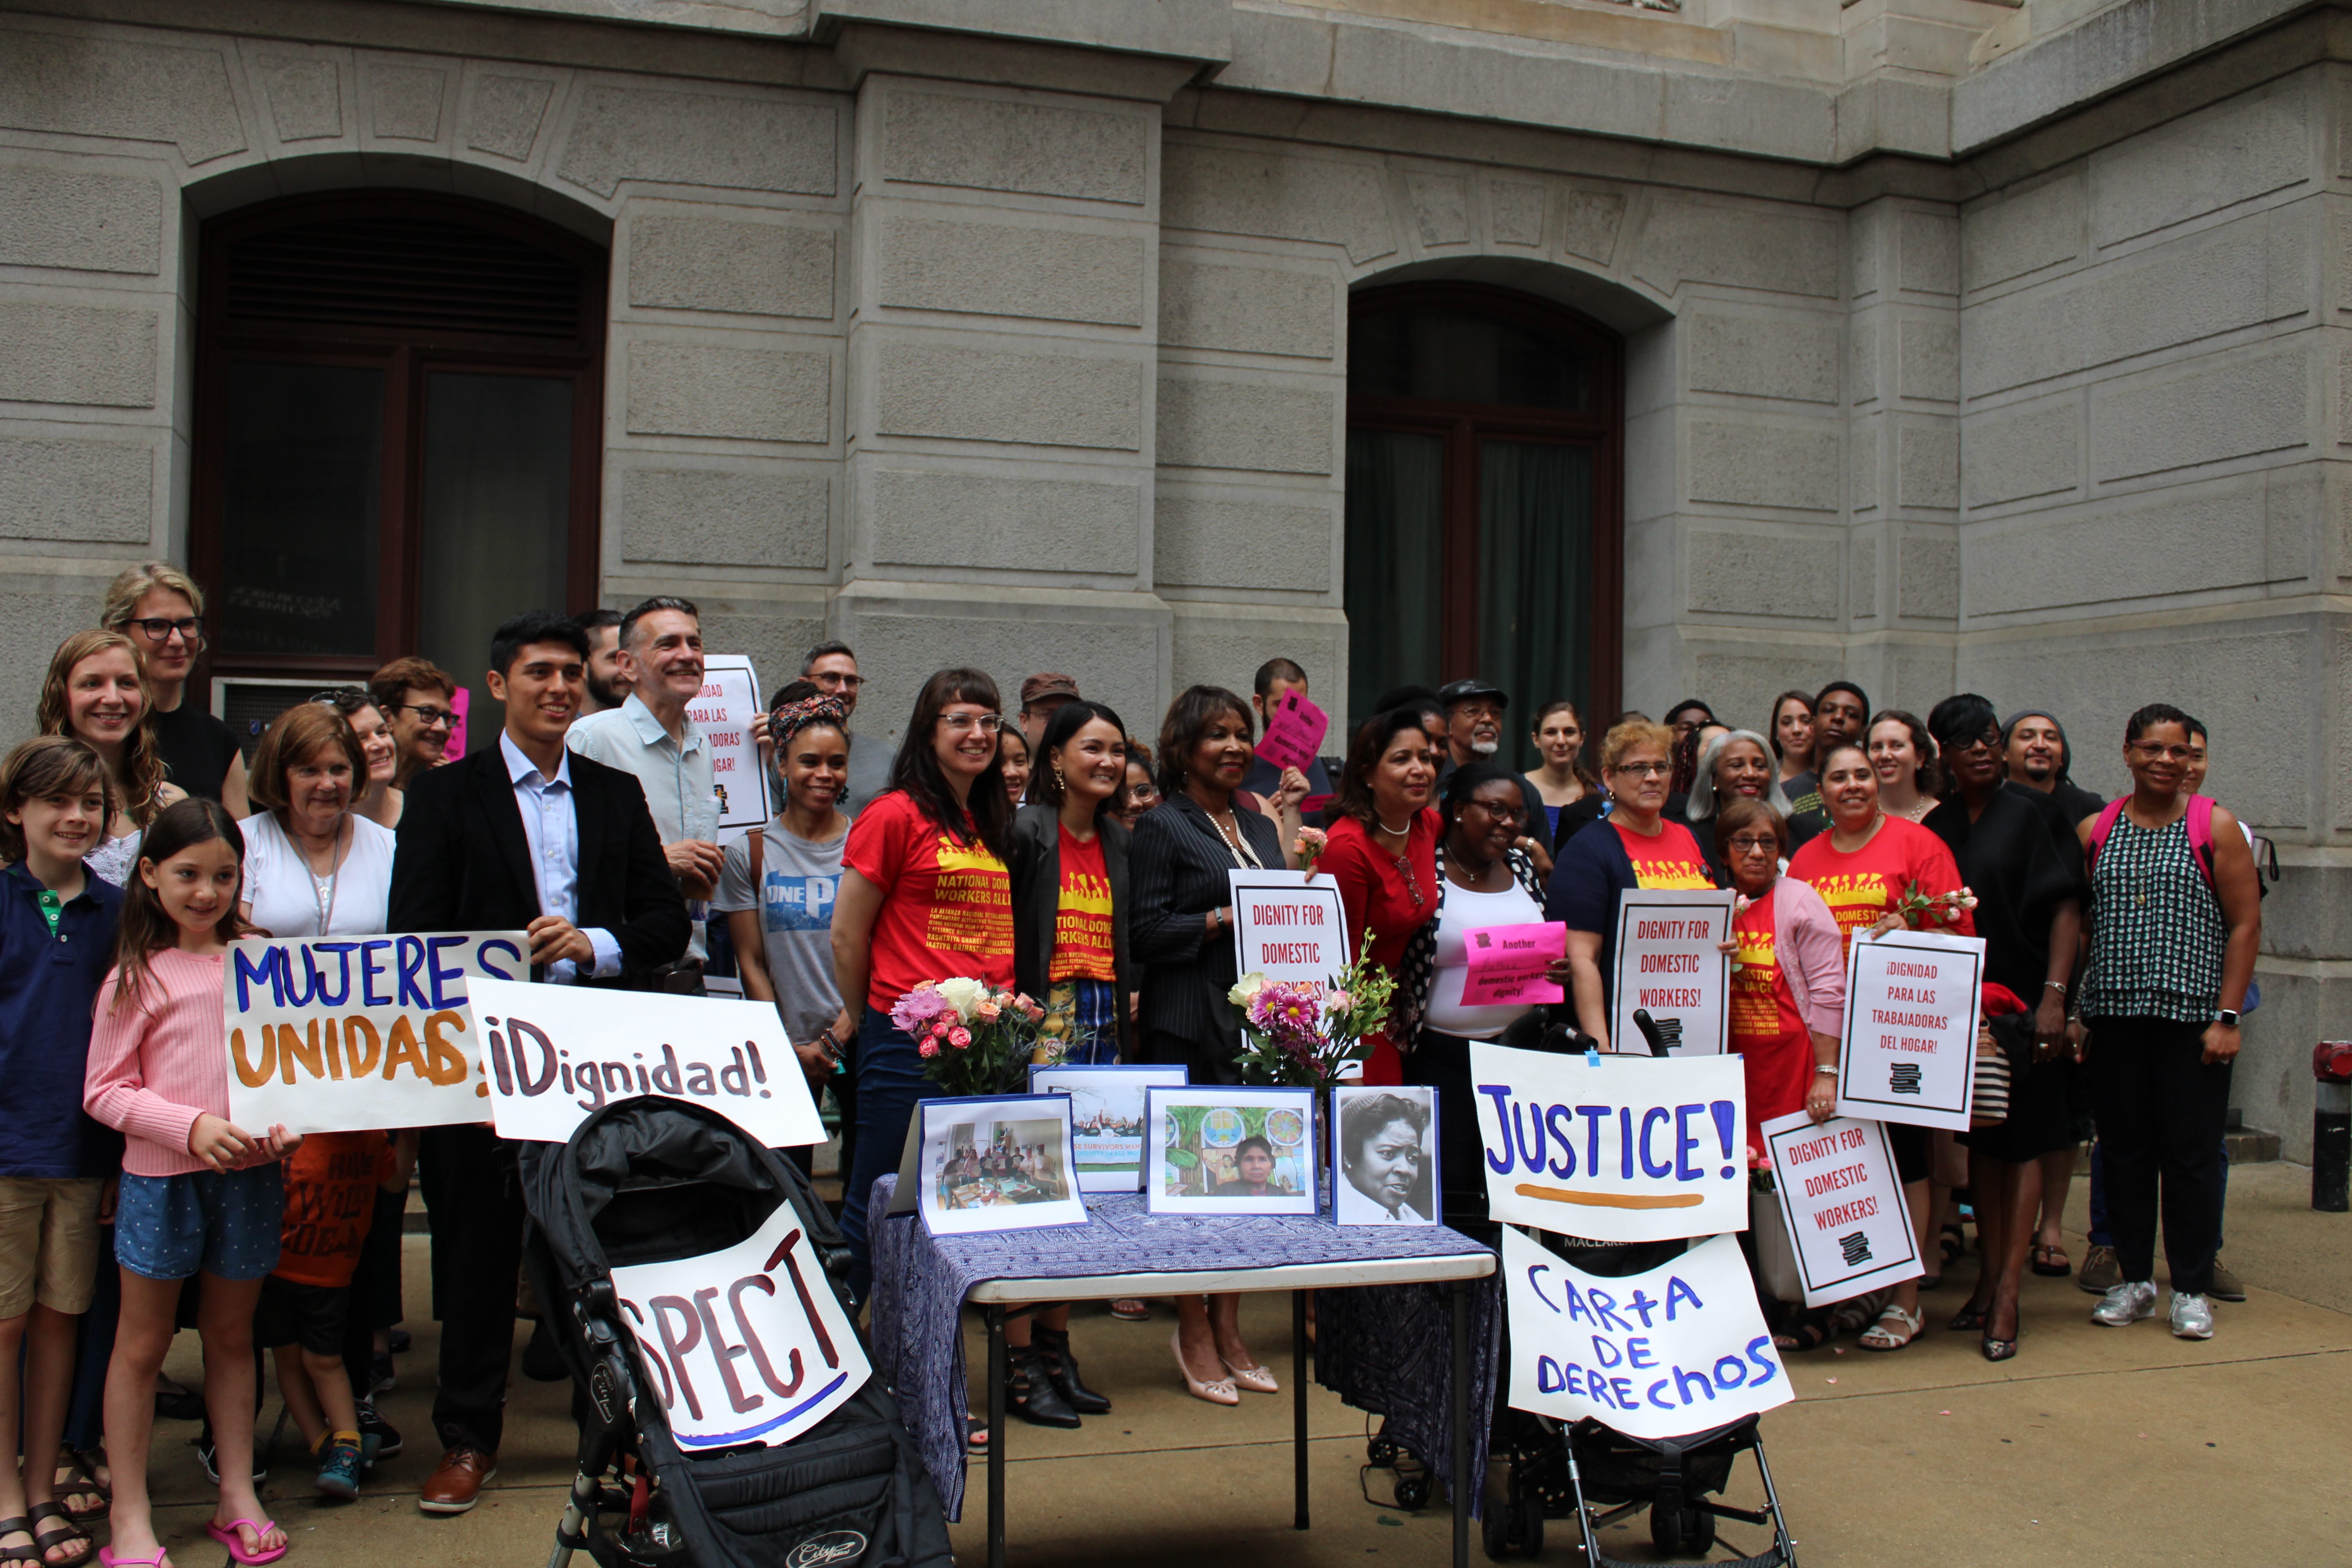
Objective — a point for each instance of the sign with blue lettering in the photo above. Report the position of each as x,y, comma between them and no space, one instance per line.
351,1034
1615,1147
1681,1349
555,1053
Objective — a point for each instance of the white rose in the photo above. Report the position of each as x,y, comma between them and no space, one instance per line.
1245,990
964,995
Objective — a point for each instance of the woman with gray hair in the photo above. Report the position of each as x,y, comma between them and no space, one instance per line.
1736,764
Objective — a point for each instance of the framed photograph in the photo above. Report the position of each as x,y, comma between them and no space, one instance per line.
1218,1150
1107,1118
1384,1155
998,1164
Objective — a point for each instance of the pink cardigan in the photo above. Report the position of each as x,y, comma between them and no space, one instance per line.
1812,954
157,1063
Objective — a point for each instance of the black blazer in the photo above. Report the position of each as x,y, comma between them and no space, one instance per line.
1178,864
462,863
1034,856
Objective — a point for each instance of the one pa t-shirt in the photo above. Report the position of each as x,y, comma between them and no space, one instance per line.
1083,944
330,1182
799,881
1862,887
947,902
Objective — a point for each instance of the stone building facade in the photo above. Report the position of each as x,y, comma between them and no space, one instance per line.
1960,343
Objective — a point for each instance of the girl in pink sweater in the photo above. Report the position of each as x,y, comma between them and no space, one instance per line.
198,1192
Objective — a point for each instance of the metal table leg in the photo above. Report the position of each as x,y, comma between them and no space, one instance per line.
1464,1482
1298,1400
996,1373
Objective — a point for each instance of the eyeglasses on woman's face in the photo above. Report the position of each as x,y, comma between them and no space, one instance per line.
158,629
1747,844
962,723
1643,770
427,716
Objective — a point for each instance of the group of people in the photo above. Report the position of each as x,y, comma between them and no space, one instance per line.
1056,853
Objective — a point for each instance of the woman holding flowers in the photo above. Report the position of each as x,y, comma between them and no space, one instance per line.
2020,857
1181,931
1382,852
925,897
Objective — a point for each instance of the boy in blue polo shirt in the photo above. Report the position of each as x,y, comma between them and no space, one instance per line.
57,1165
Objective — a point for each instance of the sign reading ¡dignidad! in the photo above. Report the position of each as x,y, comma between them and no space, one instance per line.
555,1053
1910,1049
351,1034
1678,1349
1615,1147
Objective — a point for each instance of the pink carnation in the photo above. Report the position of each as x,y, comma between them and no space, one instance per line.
928,1049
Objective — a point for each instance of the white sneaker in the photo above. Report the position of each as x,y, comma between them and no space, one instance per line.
2127,1303
2192,1319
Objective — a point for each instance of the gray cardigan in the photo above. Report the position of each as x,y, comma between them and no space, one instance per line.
1033,856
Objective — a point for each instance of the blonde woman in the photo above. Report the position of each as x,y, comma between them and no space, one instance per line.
95,693
160,610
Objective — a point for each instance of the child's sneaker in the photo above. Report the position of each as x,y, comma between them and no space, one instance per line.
338,1465
379,1439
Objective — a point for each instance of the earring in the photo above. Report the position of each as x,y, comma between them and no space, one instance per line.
1060,783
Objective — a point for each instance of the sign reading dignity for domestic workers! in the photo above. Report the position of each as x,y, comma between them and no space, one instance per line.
1289,926
747,1345
1843,1205
1615,1147
356,1032
1508,964
1679,1349
555,1053
1909,1051
725,707
1671,964
1293,730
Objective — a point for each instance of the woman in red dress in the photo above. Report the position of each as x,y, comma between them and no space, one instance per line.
1383,850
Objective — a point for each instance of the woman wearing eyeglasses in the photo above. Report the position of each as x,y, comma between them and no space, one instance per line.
1633,847
925,896
1382,852
376,799
95,693
160,608
313,866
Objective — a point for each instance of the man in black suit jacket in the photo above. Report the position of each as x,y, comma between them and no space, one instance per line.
583,875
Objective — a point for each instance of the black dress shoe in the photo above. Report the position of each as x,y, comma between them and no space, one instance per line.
1030,1393
1063,1368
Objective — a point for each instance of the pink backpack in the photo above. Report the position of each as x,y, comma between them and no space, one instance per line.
2200,831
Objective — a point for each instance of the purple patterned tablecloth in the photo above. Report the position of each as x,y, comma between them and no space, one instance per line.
1382,1348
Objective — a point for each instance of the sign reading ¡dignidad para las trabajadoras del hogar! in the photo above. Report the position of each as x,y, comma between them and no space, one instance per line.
351,1034
1615,1147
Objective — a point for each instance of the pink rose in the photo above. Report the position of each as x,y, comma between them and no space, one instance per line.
987,1012
928,1049
960,1038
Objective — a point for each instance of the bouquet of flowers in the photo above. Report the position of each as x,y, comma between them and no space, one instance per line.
1922,912
1308,846
973,1040
1299,1034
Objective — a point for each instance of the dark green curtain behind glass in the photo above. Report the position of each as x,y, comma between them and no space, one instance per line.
1535,580
1396,566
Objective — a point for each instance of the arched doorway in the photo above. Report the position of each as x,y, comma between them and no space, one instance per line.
1484,512
399,403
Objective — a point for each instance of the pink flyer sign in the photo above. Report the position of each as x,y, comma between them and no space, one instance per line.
1293,732
456,745
1508,964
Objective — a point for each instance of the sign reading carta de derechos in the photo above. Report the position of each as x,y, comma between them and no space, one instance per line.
555,1053
351,1034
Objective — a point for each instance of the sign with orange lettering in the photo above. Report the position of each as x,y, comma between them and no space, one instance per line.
353,1034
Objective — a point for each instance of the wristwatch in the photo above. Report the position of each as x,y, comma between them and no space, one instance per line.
2227,1016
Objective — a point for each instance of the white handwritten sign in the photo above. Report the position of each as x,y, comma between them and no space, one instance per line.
747,1345
1844,1204
1615,1147
1678,1349
556,1053
351,1034
1289,926
1909,1050
1671,965
724,709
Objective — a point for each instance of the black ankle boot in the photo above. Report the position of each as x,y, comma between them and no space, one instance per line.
1029,1391
1063,1368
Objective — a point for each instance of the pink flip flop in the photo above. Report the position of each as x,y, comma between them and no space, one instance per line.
109,1560
226,1536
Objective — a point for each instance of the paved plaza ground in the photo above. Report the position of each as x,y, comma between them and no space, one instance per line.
2094,1447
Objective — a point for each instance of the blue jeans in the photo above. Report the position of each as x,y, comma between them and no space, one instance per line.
890,1083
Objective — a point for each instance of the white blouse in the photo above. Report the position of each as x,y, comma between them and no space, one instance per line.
287,898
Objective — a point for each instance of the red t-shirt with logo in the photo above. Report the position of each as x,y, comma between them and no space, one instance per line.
1862,887
1081,937
947,902
330,1182
1670,859
1776,1050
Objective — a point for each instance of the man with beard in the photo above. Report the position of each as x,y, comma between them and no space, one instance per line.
833,669
608,688
2039,758
1473,732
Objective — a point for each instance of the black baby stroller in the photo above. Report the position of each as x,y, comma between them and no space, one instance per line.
649,1181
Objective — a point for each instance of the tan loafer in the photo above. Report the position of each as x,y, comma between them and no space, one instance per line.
457,1485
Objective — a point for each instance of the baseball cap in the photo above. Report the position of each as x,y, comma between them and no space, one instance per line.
1048,684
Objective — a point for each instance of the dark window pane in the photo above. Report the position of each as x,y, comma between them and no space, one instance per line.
1396,564
1452,356
497,518
1534,582
302,465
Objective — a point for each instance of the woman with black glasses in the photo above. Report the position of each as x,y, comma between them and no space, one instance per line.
160,608
376,797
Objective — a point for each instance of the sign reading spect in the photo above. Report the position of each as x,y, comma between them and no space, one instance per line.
1671,964
747,1345
1681,1349
1909,1051
351,1034
1614,1148
1843,1205
555,1053
1287,926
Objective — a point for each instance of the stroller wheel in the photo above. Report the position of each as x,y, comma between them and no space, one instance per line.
1412,1492
1380,1452
1690,1529
1512,1524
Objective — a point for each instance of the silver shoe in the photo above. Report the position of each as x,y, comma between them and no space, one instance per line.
2127,1303
2192,1319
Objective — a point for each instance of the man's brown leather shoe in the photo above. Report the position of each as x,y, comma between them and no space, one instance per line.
457,1485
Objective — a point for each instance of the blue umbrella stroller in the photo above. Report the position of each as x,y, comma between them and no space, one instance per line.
649,1180
1551,1468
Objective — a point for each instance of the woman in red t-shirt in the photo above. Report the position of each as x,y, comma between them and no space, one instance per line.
1383,850
924,896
